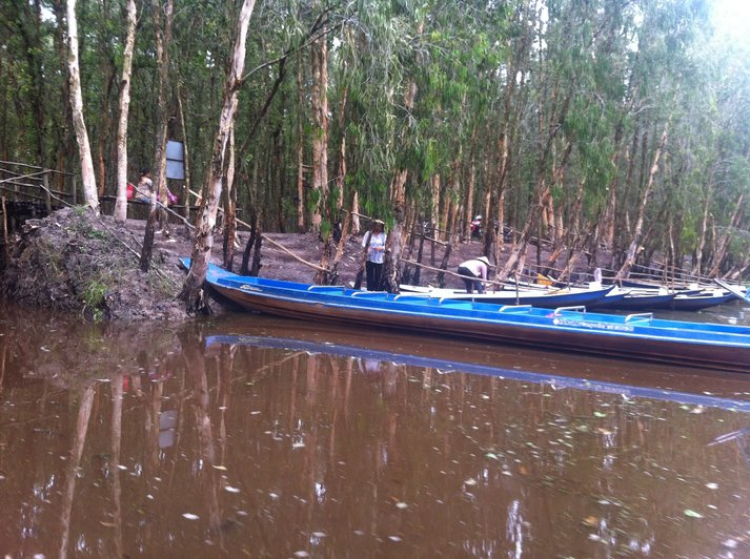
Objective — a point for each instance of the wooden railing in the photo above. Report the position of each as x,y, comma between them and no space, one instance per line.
20,182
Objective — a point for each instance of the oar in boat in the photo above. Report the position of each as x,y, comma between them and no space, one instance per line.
734,290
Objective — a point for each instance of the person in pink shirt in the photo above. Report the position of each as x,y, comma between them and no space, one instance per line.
474,273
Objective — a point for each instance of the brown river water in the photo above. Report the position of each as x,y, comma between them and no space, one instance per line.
250,436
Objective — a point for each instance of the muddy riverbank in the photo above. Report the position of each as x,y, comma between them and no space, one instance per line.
75,262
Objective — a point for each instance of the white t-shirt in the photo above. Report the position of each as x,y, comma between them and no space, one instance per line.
376,250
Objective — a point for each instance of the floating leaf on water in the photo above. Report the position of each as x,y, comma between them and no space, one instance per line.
698,409
603,431
591,521
190,516
599,414
712,485
301,553
594,537
471,481
230,489
394,538
319,534
221,468
108,524
298,445
401,505
491,456
693,514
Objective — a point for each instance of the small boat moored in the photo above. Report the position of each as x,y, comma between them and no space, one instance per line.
546,299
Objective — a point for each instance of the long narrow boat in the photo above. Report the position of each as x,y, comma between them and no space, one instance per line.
623,299
698,301
638,336
547,299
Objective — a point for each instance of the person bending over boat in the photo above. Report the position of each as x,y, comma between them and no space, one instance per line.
474,272
374,242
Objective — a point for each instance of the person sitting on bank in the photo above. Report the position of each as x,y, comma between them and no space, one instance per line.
474,272
374,242
145,187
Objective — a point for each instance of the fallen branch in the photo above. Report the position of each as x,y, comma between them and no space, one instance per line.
290,253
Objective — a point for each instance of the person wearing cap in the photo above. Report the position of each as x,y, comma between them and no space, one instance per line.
474,271
374,243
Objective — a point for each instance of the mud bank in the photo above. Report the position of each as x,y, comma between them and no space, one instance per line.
78,263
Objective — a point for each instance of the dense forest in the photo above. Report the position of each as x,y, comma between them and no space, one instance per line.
615,127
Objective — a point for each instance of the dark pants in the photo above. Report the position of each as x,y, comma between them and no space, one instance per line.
374,276
471,284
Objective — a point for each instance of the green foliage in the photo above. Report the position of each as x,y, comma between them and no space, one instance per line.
602,75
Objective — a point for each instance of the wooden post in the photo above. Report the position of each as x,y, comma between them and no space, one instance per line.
6,239
47,193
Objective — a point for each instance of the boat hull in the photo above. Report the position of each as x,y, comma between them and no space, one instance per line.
567,331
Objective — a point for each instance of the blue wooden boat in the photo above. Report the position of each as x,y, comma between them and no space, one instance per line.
698,301
545,299
632,300
570,329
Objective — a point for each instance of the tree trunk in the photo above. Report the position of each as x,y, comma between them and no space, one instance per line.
721,252
392,266
470,188
121,205
192,291
160,150
230,208
300,150
698,266
645,197
319,102
186,187
76,100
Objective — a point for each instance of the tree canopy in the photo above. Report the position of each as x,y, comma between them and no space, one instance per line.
608,123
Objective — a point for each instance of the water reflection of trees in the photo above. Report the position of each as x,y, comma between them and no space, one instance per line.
279,451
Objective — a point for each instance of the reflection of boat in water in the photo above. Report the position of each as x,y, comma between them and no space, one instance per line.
638,336
447,366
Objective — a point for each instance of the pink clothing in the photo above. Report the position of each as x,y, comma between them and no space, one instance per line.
477,267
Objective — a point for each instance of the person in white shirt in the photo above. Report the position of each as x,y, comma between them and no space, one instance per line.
474,272
374,241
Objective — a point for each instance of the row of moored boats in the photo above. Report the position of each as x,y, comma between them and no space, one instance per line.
594,297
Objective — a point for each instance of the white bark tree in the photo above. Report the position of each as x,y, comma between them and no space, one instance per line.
192,291
76,101
121,205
